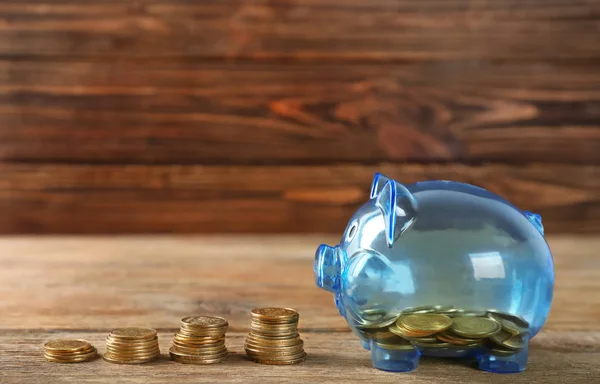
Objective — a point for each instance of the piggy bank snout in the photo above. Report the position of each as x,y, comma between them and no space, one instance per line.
327,267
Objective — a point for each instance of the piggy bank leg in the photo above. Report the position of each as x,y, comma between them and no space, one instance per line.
366,344
500,363
394,360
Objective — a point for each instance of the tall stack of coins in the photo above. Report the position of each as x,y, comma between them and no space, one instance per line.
201,340
131,346
449,327
69,351
274,338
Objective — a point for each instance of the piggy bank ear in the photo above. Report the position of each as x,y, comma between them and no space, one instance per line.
379,181
536,220
399,209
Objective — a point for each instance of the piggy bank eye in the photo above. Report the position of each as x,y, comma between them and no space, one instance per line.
352,231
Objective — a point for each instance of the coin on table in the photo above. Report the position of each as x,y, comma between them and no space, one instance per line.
135,333
275,314
426,322
117,360
66,345
205,321
69,351
475,327
270,361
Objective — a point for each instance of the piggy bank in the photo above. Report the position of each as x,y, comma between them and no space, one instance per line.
440,268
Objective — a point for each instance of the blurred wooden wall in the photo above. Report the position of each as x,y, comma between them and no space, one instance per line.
272,116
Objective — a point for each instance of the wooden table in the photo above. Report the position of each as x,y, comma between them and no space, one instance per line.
83,287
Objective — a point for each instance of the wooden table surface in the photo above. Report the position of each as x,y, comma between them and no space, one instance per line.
83,287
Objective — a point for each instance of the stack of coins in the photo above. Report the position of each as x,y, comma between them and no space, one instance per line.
131,346
201,340
502,333
69,351
274,338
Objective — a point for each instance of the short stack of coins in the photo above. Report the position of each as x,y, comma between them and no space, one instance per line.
69,351
274,338
131,346
201,340
501,333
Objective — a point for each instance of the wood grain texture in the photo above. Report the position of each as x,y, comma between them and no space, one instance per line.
185,113
377,30
83,287
114,199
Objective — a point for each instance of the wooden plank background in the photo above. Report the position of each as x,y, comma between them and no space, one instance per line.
269,116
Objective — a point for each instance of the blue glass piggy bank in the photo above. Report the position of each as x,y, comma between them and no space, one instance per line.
440,268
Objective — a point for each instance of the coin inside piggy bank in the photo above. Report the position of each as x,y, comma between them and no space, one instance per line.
440,268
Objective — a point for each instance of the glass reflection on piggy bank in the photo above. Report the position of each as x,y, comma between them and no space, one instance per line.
440,268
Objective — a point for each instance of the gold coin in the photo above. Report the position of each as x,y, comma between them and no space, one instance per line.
274,327
67,345
129,352
115,360
184,343
131,347
275,356
70,354
519,321
202,333
427,322
418,310
135,333
508,341
279,362
215,353
78,357
403,332
118,344
196,351
500,337
118,340
198,340
473,313
448,338
475,327
436,344
196,360
508,325
502,352
282,350
205,321
384,336
268,332
272,337
406,346
268,343
275,314
374,314
447,310
133,352
379,324
186,333
424,339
